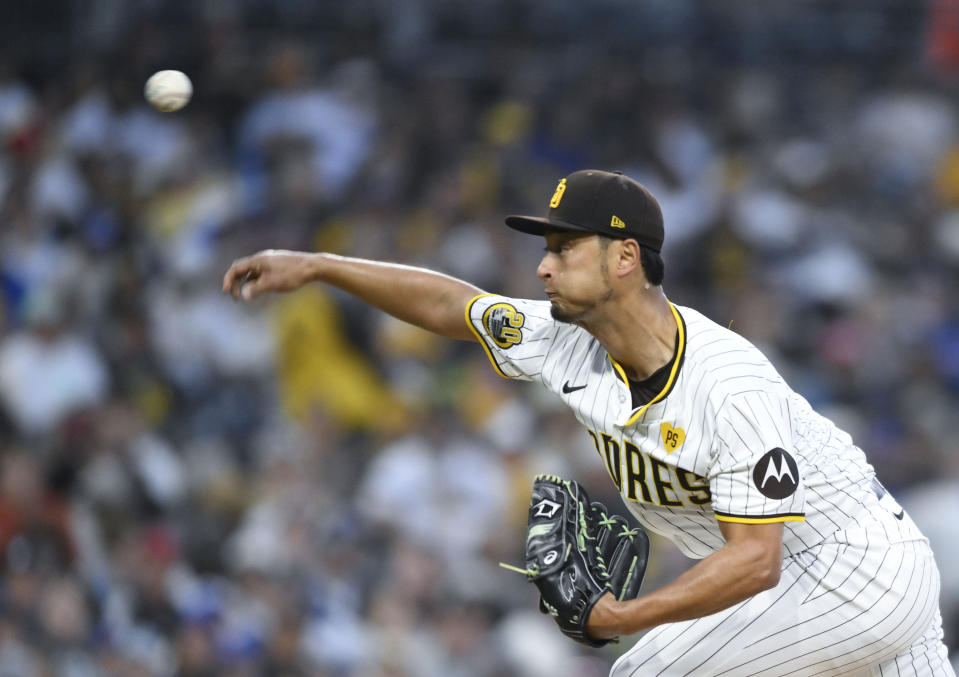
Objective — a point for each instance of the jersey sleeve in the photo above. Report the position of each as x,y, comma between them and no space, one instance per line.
756,477
516,334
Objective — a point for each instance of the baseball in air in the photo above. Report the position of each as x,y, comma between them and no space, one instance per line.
168,91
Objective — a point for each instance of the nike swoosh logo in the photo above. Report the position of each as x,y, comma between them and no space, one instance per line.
899,515
567,388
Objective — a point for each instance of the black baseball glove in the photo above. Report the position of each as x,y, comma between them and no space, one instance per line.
576,552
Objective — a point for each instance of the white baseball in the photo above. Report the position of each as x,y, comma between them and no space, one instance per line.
168,91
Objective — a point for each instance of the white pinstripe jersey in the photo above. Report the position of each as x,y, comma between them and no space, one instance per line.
726,439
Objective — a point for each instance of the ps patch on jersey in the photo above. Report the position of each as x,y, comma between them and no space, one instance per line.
776,475
673,438
503,324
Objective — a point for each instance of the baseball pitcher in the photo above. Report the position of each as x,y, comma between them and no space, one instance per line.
807,566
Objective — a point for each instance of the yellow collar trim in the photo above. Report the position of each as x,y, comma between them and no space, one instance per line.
672,372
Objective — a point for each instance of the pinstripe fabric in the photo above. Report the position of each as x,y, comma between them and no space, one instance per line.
732,407
731,441
926,657
856,604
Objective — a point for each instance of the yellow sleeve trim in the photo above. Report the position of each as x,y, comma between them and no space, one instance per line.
761,520
479,337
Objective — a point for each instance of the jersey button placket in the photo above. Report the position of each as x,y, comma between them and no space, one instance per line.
625,408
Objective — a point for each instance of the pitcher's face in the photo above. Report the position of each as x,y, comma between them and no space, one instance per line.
575,275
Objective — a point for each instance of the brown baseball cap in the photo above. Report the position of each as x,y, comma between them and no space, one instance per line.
595,201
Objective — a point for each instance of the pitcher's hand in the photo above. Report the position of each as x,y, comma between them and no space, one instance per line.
272,270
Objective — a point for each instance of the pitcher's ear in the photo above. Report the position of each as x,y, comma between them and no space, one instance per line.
628,257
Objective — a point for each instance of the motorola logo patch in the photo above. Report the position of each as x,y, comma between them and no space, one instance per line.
776,475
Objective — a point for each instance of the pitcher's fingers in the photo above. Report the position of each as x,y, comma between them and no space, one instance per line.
239,274
251,287
234,273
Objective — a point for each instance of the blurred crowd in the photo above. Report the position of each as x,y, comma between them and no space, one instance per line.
303,486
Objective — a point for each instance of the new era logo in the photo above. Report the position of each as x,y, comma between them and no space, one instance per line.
617,222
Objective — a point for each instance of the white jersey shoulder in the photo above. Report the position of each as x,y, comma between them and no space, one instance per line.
726,439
